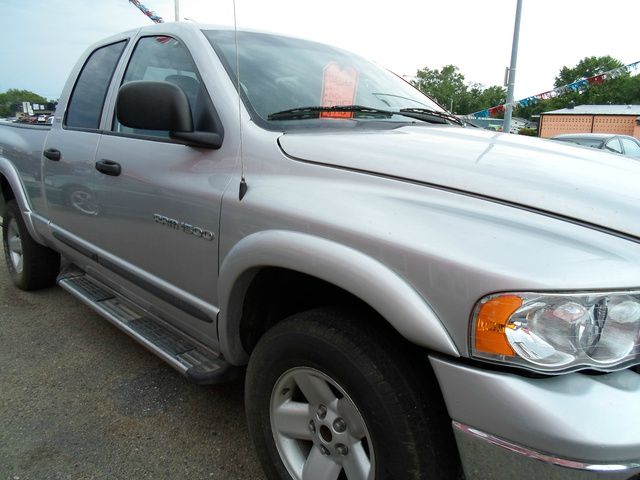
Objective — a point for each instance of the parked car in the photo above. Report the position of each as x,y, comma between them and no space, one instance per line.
405,295
620,144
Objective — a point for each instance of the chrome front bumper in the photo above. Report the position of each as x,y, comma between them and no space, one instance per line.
486,457
569,427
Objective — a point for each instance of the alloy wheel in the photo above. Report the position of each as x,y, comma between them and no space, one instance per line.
318,430
15,246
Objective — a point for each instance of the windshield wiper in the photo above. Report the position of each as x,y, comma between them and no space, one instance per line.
429,112
424,114
301,113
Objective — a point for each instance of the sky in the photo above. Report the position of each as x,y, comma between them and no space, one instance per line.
42,39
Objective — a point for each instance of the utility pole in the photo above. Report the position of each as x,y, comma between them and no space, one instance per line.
177,5
512,70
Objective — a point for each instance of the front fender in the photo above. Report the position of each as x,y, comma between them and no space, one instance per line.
366,278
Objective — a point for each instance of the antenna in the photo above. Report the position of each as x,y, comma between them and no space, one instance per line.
243,183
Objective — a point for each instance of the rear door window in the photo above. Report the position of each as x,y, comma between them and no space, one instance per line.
631,147
87,99
613,145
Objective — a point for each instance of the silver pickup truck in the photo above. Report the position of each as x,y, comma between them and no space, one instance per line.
406,297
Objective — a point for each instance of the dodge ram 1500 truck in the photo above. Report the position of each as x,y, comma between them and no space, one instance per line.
410,298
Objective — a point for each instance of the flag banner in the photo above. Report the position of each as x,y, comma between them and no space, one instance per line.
578,86
152,16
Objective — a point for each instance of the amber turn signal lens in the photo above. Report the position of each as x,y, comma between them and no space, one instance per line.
491,323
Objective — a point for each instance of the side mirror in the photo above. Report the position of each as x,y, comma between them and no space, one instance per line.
154,106
150,105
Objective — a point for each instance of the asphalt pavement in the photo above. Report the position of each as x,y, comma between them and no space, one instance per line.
80,400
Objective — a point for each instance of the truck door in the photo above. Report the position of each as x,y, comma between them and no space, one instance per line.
71,182
159,215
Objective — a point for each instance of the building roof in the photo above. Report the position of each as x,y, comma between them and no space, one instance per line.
597,110
595,136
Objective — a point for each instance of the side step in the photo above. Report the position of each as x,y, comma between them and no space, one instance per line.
195,362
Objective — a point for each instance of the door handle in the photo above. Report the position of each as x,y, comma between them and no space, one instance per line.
108,167
52,154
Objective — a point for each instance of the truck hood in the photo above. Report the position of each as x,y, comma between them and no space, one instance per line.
580,183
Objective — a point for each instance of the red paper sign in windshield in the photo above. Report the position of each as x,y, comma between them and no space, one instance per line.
338,88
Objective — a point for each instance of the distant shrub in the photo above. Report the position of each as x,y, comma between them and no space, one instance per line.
531,132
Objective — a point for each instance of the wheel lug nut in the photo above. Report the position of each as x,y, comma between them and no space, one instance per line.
324,450
322,412
339,425
312,426
342,449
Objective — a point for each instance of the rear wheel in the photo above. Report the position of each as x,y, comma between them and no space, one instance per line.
331,396
31,265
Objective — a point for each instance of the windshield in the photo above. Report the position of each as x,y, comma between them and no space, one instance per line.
281,73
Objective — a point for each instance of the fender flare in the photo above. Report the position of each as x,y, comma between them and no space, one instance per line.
10,173
361,275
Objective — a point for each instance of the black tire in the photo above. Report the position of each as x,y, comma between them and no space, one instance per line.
388,380
40,265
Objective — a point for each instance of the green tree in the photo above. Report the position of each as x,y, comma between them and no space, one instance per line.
478,97
445,86
535,109
448,87
13,96
492,96
629,89
620,90
587,67
624,89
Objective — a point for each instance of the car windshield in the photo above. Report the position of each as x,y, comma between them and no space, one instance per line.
587,142
279,73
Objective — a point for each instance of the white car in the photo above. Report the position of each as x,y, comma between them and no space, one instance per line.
620,144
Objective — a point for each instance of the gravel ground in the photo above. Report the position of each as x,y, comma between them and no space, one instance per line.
80,400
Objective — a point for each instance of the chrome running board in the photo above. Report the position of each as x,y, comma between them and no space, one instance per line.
193,361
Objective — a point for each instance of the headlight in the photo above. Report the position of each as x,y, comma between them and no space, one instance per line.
554,332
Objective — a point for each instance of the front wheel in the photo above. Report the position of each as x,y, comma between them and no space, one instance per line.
332,396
